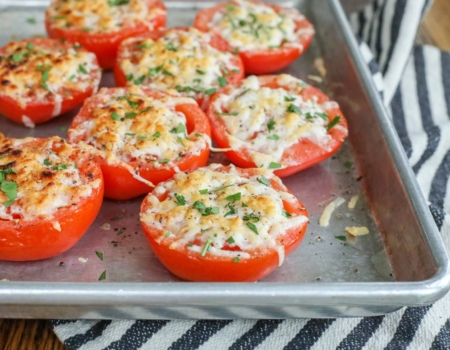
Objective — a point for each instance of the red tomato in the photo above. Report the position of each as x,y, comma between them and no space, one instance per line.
302,154
262,61
216,42
191,266
41,238
104,44
35,102
119,183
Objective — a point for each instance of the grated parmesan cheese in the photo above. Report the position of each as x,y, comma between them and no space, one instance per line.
324,220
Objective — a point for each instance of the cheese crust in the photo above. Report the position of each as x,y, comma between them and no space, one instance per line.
180,62
47,178
46,70
267,121
224,208
100,16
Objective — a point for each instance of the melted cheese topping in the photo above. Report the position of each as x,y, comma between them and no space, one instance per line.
101,15
126,125
268,121
46,180
248,25
224,209
182,62
30,72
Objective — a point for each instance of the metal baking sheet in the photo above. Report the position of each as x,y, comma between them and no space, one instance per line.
401,262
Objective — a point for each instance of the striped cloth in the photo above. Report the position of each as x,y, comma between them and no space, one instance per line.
417,93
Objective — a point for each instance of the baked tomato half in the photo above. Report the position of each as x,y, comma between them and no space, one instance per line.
266,36
50,193
182,61
276,122
43,78
101,25
223,224
142,137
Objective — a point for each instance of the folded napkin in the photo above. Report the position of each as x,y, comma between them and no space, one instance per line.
416,83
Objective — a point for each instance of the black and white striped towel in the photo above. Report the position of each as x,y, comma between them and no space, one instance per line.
417,93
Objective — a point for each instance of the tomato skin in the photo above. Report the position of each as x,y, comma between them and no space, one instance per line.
39,239
217,42
41,111
261,61
303,154
189,265
105,45
119,183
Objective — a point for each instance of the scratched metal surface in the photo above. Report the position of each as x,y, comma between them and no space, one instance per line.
127,256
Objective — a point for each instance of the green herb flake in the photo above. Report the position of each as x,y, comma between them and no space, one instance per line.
234,197
348,165
165,160
341,238
29,46
9,188
244,205
252,227
274,165
166,72
271,125
31,20
232,114
72,77
100,255
130,134
167,234
236,259
142,137
334,122
286,214
156,135
222,81
113,3
273,137
154,70
102,276
115,116
82,69
206,247
17,57
210,91
143,46
289,99
236,70
230,240
219,188
130,115
251,217
294,109
130,77
205,191
171,47
140,80
231,210
180,140
63,128
180,200
47,162
263,180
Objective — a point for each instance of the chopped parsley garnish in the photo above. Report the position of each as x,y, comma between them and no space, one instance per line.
156,135
335,121
205,211
199,71
236,259
63,128
348,165
130,115
146,110
115,116
274,165
142,138
165,160
82,69
341,238
44,78
130,134
263,180
206,247
205,191
244,205
102,276
166,72
309,116
210,91
232,210
271,125
167,234
222,81
181,128
31,20
323,115
143,46
251,217
289,99
9,188
29,46
154,70
252,227
60,167
130,77
219,188
234,197
113,3
230,240
47,162
140,80
17,57
171,47
235,70
72,77
286,214
180,140
180,200
273,137
294,109
133,104
232,114
100,255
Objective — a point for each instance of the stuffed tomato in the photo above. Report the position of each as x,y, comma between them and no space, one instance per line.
50,193
182,61
41,79
276,122
101,25
223,224
266,36
142,137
